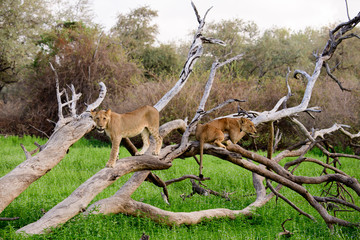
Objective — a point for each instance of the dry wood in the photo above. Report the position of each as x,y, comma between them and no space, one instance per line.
285,232
82,196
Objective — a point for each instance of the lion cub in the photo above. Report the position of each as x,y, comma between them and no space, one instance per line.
144,121
214,132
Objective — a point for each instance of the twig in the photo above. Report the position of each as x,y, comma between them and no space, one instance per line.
332,76
288,201
99,100
168,182
47,136
285,232
336,200
9,219
153,178
347,9
29,154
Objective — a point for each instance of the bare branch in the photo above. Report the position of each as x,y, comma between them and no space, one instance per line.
334,78
9,219
196,12
337,35
75,98
334,128
336,200
288,201
99,100
58,93
303,159
285,232
350,134
216,64
168,182
27,154
195,52
347,9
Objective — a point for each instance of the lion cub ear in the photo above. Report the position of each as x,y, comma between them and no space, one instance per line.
108,112
93,113
242,120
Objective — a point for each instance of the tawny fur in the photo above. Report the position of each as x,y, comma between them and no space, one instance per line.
214,132
144,121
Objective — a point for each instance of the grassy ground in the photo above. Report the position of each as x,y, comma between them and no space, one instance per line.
86,158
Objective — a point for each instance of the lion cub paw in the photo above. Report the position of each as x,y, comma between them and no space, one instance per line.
108,165
138,154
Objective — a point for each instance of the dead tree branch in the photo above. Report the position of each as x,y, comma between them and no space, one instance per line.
82,196
288,201
195,52
168,182
9,219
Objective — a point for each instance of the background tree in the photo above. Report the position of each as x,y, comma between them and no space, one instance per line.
20,23
134,31
72,11
160,60
239,36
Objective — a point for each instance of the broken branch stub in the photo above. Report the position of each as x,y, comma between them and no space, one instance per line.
99,100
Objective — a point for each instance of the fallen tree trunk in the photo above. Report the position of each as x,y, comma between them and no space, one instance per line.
81,197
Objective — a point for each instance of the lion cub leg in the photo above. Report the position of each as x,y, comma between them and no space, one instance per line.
236,136
146,142
158,140
115,143
219,138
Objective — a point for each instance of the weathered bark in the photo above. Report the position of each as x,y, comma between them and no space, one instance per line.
82,196
134,208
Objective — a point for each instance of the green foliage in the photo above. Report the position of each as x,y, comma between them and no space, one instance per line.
85,158
20,23
238,35
135,31
160,60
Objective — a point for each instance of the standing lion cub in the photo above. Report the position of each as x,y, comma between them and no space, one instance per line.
214,132
144,121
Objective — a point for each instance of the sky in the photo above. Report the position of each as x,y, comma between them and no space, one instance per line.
176,18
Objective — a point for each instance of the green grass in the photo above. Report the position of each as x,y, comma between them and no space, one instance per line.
86,158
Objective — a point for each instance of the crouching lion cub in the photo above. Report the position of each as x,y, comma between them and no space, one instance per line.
214,132
144,121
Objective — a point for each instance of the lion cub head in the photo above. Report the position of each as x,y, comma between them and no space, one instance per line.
247,126
101,118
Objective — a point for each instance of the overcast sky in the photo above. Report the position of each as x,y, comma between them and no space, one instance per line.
176,18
